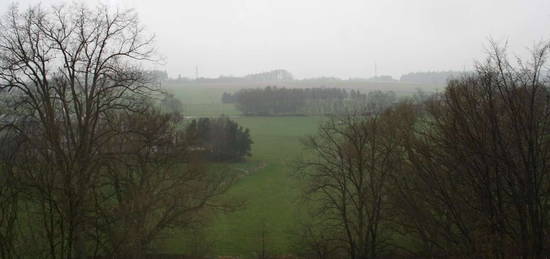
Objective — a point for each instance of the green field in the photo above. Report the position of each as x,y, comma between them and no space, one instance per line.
270,191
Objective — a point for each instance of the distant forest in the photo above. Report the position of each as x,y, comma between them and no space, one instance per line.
306,101
281,75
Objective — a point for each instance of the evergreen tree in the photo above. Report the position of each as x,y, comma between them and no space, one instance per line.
220,139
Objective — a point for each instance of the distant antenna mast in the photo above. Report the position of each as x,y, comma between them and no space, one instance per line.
375,70
196,72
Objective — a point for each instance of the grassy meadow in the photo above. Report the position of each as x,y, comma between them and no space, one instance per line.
266,185
270,192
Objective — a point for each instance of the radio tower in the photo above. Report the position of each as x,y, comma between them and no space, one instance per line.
196,72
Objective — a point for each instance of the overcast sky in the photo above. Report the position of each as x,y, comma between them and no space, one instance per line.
342,38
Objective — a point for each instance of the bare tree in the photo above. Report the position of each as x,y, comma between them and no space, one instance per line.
477,181
9,196
66,68
101,171
156,184
353,159
316,239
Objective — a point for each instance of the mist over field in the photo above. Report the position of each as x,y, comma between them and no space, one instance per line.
288,129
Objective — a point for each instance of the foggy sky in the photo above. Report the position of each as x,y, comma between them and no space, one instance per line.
342,38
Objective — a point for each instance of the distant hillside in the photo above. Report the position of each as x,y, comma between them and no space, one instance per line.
274,76
435,78
283,78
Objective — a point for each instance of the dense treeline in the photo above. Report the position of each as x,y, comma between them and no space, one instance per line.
284,77
273,76
220,139
229,98
304,101
278,75
280,101
464,174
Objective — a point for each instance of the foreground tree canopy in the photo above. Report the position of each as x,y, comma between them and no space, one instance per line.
89,167
464,174
479,167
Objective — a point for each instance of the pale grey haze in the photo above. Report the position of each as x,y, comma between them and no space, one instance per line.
342,38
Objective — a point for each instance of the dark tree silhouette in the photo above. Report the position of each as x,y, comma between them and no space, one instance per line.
220,139
289,101
78,109
348,178
477,181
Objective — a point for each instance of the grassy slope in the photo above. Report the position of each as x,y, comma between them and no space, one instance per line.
269,190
